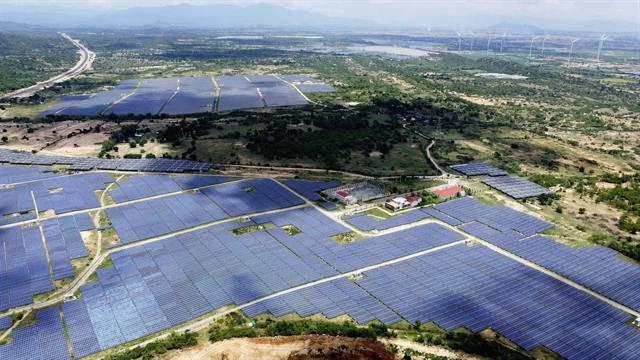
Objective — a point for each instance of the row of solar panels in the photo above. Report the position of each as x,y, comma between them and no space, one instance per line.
514,186
85,164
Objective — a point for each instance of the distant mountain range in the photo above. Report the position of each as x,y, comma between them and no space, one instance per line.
263,14
184,15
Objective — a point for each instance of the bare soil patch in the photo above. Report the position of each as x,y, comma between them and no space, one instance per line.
288,348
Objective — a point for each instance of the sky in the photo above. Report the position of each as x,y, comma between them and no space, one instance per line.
394,11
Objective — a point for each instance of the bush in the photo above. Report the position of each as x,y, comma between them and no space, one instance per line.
154,349
219,334
133,156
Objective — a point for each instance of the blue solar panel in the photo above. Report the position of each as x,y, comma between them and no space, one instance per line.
310,189
478,168
5,323
84,222
139,187
192,182
24,270
516,187
469,287
143,220
327,205
43,340
251,196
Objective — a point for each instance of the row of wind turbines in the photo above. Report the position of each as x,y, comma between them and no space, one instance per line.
544,39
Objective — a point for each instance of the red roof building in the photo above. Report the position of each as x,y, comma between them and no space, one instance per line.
412,199
448,192
342,193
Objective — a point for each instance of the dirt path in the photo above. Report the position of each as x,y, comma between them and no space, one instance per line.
431,349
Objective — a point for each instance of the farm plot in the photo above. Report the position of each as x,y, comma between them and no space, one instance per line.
100,101
150,97
194,95
236,92
277,92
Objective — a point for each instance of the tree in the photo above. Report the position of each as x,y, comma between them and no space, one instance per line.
132,144
5,139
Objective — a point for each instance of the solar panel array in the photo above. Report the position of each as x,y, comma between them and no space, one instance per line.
83,338
276,92
100,101
191,182
16,205
479,288
77,192
328,205
332,299
236,92
252,196
140,187
153,287
44,340
365,222
195,95
307,84
478,168
14,174
65,103
5,322
86,164
499,217
24,270
310,188
149,98
59,250
143,220
190,95
516,187
315,241
84,222
594,267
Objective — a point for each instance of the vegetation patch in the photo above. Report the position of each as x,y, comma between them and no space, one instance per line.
158,348
347,237
252,228
291,230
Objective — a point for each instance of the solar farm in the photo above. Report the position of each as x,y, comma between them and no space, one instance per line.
514,186
181,256
175,96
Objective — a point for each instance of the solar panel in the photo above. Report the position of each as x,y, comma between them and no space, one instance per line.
516,187
478,168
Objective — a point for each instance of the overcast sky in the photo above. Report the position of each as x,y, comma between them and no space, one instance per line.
388,11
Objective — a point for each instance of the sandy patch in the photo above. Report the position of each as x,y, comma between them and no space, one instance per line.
289,347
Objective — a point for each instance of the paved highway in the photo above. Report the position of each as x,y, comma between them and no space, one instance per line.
85,56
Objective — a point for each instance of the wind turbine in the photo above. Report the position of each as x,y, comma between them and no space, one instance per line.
502,43
602,39
472,37
531,46
459,42
489,43
571,51
543,40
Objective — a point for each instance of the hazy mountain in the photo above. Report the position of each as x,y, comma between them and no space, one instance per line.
10,26
524,24
514,28
219,15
